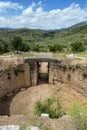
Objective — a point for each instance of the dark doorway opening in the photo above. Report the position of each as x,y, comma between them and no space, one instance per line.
43,72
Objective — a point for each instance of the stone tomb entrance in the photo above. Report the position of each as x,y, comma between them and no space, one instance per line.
42,70
43,73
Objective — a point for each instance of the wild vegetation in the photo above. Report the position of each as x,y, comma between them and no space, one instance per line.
52,106
66,40
79,113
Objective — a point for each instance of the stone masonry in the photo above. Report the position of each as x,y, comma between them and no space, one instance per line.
26,75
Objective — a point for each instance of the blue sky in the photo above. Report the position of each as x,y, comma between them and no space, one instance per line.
42,14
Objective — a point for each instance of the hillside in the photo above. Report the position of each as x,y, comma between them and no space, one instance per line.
79,25
41,40
76,32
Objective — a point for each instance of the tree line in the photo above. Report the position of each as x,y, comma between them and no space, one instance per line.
17,44
14,44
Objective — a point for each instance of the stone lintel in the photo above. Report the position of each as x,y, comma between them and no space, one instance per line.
30,59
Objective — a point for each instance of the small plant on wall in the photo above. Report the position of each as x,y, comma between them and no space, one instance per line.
10,66
9,75
64,67
17,70
8,69
70,67
69,76
73,68
77,65
84,74
60,66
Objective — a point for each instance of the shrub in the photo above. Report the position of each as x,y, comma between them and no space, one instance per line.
64,67
60,66
73,68
9,76
68,76
18,70
79,114
84,74
53,48
50,106
70,67
77,65
10,66
77,47
36,48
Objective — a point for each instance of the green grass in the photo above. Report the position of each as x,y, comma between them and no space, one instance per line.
84,53
78,112
51,106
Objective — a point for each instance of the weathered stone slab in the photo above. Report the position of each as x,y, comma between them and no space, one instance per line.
32,128
10,127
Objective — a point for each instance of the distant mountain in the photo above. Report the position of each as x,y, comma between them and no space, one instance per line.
77,32
5,29
78,25
33,34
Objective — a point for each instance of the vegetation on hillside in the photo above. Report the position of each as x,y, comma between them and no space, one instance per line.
66,40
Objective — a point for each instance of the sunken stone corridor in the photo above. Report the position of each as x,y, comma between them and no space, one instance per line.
32,73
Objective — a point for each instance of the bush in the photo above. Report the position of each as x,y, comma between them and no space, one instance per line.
56,48
84,74
70,67
73,69
17,70
25,47
50,106
53,48
35,48
64,67
77,47
79,114
68,76
77,65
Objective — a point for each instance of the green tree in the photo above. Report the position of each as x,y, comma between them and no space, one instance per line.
36,48
52,48
77,47
56,48
24,47
1,46
4,46
17,43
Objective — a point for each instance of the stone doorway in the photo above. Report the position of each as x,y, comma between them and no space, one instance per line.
43,72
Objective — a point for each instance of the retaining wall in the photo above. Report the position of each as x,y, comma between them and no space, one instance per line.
26,75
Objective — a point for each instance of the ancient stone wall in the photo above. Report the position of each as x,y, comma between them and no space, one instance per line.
55,73
26,75
33,73
14,78
70,75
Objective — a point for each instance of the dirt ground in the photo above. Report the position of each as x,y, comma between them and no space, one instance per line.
84,61
22,105
23,102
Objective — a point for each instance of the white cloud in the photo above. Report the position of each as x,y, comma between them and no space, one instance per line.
40,3
36,17
9,5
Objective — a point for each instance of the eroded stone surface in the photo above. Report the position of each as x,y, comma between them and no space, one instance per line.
10,127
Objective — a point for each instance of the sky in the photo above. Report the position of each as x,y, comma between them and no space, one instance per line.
42,14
